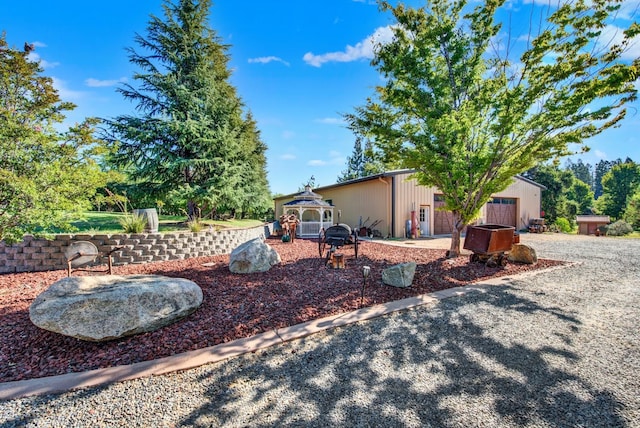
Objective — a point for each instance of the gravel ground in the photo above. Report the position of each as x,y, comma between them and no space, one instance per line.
556,349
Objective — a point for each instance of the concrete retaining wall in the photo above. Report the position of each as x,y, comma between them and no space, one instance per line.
33,254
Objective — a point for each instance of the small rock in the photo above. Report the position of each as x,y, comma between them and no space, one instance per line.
107,307
399,275
522,253
253,256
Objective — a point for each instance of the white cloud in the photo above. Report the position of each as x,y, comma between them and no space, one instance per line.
267,59
96,83
34,57
331,121
629,9
287,135
334,158
361,50
64,92
600,154
614,35
287,156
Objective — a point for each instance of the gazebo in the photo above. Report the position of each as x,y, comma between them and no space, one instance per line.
313,212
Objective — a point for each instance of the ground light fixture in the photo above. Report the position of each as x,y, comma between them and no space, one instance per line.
365,274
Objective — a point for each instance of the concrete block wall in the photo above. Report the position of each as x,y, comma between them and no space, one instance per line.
34,254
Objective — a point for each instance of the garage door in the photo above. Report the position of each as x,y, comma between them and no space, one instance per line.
502,211
442,220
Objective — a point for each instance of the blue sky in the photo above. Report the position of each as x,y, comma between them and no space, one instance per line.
298,65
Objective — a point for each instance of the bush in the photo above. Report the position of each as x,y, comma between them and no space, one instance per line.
133,223
195,225
563,225
619,228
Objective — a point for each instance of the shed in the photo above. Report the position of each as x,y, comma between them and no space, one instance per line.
589,224
390,197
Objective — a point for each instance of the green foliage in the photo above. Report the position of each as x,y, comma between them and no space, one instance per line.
361,163
191,136
581,171
632,212
620,183
553,200
44,173
619,228
581,196
468,120
133,223
563,225
195,225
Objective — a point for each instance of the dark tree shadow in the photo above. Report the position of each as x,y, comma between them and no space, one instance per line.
443,343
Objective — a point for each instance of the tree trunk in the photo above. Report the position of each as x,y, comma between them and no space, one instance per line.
191,210
458,226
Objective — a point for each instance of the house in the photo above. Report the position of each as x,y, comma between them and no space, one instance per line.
589,224
390,197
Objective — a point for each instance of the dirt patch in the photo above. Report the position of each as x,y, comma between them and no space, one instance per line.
301,288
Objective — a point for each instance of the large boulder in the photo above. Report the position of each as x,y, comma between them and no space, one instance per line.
399,275
522,253
253,256
101,308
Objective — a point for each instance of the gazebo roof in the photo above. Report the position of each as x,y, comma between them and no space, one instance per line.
307,199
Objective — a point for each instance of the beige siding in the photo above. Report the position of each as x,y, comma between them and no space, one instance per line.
528,201
372,199
410,196
368,199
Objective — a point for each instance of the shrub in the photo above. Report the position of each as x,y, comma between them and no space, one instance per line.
563,225
619,228
195,225
133,223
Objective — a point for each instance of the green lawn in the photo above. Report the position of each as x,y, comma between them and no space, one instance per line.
94,221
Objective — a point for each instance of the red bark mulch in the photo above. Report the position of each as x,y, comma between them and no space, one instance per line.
299,289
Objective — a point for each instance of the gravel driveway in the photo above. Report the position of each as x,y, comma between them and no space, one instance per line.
560,348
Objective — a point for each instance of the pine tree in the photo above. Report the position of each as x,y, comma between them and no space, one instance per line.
361,163
188,139
355,163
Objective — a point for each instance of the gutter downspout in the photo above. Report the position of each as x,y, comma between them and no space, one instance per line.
393,206
393,202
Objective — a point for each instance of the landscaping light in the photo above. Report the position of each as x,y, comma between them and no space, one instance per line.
365,274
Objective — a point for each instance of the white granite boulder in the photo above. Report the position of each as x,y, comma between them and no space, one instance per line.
399,275
107,307
253,256
522,253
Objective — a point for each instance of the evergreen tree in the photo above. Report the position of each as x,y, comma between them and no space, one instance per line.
582,171
188,140
361,163
355,163
46,175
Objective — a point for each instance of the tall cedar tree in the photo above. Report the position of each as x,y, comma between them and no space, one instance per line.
190,138
46,176
468,118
